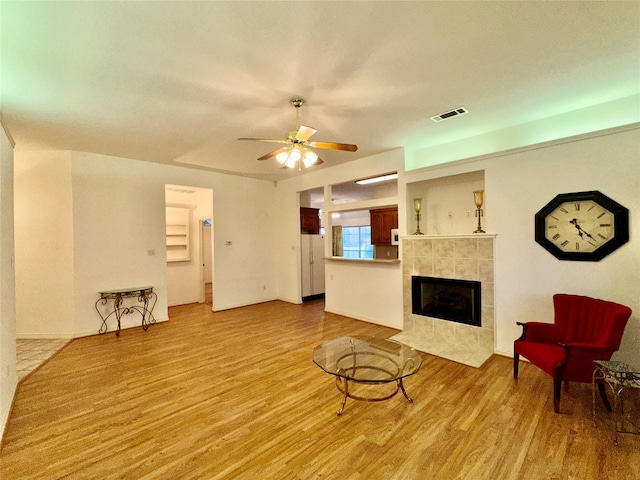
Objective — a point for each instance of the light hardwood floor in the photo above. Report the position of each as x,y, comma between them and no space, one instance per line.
235,395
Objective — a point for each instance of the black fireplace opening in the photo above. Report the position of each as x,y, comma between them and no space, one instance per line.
446,298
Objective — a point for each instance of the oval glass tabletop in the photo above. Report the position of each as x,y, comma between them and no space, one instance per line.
367,359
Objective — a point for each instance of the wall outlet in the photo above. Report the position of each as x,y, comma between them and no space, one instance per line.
151,252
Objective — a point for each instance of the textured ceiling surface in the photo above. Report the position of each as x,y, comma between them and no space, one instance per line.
179,82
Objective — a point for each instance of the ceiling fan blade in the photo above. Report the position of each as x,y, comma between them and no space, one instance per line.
304,133
274,153
264,140
318,161
334,146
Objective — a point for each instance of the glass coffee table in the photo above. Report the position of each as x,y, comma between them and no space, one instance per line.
367,360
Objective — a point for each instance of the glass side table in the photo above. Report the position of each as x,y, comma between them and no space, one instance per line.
619,376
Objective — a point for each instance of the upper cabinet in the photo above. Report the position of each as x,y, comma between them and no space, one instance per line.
309,220
383,220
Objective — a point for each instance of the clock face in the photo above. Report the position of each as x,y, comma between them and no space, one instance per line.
582,226
579,226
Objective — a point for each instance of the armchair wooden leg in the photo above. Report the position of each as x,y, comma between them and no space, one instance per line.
603,395
516,363
557,386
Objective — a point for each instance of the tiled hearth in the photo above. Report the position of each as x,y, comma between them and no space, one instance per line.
464,257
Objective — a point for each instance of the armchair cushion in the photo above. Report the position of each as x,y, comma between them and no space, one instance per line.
546,356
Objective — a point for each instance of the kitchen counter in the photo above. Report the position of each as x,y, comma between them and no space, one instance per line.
363,260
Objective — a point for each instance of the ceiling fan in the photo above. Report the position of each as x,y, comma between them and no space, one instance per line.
297,149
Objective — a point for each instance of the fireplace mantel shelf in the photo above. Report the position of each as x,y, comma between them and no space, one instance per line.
450,235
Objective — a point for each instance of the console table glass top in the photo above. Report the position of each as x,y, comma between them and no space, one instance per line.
367,360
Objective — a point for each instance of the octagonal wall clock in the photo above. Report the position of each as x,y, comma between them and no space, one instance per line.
583,226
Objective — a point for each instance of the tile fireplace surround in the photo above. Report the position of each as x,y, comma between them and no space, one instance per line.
463,257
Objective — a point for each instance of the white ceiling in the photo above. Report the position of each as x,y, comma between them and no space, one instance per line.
179,82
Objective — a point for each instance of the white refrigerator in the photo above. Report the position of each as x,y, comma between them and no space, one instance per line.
312,252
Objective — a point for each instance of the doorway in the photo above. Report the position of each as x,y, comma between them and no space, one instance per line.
189,270
206,225
312,272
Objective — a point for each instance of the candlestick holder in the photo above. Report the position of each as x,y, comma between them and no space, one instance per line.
417,206
478,198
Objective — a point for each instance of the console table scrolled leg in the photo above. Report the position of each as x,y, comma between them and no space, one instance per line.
404,392
103,327
152,298
144,298
116,308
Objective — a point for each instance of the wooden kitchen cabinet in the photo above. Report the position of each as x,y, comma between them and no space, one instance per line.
309,220
382,221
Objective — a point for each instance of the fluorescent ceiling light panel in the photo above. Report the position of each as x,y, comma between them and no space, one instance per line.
381,178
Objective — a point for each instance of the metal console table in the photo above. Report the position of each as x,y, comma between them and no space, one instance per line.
145,297
619,376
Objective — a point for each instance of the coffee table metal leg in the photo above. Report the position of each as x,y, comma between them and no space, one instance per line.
404,392
346,393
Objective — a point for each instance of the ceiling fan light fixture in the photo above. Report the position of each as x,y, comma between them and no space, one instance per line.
295,154
289,158
282,158
310,158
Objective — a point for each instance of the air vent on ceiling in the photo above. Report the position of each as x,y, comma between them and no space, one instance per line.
456,112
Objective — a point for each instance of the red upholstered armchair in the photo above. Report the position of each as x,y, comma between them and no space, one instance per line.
585,329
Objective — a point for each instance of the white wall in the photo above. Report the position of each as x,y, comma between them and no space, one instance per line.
447,204
519,184
118,215
8,376
245,214
366,291
44,244
127,198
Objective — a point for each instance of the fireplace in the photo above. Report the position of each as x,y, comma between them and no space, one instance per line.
448,299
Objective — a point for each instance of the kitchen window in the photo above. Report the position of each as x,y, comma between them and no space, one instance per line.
356,242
